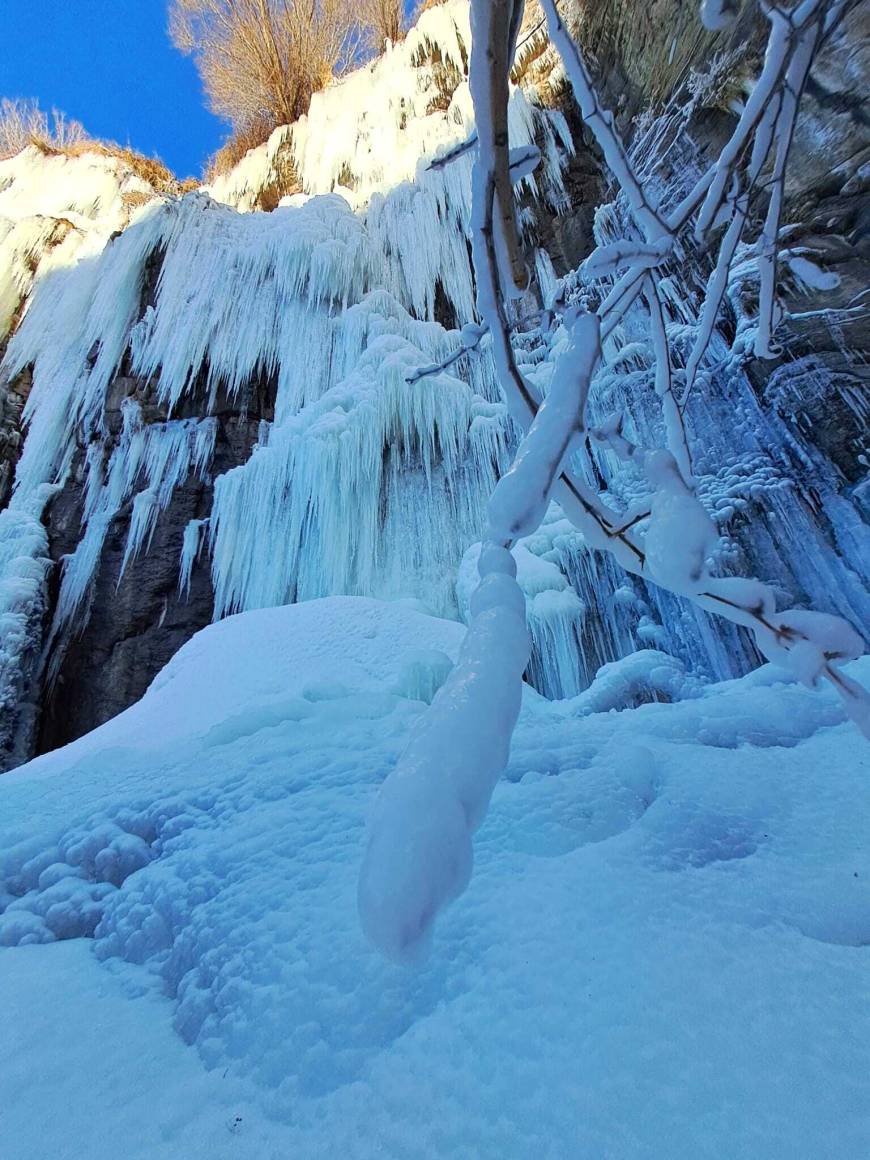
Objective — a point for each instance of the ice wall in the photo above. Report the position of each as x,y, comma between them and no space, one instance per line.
368,480
57,214
365,482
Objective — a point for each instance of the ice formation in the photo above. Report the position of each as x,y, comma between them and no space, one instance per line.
55,210
337,314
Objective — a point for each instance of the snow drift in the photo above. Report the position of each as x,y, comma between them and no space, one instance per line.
668,918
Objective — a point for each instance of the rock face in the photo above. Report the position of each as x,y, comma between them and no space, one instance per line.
134,625
813,399
12,400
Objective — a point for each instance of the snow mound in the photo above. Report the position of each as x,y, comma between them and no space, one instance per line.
668,919
54,210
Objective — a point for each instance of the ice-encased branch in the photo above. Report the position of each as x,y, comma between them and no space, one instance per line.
600,122
795,81
419,852
418,855
519,502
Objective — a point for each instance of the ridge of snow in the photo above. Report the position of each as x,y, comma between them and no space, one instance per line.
54,211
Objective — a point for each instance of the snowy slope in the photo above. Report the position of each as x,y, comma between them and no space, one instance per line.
663,951
55,210
372,480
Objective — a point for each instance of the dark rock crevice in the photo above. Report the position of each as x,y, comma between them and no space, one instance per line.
133,626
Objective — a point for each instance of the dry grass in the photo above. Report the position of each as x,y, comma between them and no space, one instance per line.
23,123
21,119
150,169
262,59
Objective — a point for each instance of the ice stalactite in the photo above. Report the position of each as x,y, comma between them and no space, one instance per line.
24,564
555,614
191,546
152,458
337,490
56,210
57,214
777,501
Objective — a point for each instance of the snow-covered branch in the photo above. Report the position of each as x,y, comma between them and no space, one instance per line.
601,125
470,338
419,853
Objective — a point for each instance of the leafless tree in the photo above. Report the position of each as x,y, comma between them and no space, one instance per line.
261,60
382,20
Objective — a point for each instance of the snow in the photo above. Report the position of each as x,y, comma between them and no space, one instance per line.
58,998
718,14
55,210
261,167
662,951
522,495
681,537
555,614
811,275
373,481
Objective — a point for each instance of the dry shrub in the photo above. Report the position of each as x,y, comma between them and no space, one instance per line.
133,198
236,146
261,60
382,20
150,169
22,121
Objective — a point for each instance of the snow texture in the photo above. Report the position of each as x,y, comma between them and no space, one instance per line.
372,481
662,951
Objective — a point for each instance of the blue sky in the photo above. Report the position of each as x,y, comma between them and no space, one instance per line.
109,64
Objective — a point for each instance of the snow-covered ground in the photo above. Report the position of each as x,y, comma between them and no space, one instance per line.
663,951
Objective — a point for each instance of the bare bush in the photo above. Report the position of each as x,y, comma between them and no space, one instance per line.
382,20
23,123
261,60
236,146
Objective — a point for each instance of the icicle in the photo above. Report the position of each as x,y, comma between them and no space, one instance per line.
194,534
